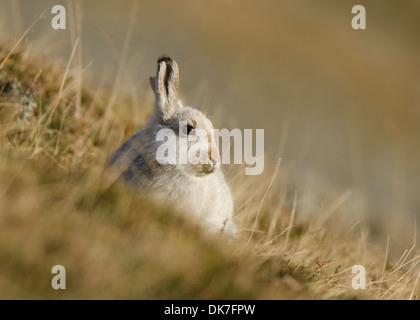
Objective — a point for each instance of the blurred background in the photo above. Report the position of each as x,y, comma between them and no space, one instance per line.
341,107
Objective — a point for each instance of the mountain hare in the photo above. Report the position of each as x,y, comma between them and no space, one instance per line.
196,188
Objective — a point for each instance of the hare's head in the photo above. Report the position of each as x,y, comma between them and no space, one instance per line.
192,146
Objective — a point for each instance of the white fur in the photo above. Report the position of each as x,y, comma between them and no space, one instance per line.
198,190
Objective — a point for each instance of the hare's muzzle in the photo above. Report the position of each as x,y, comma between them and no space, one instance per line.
215,164
214,155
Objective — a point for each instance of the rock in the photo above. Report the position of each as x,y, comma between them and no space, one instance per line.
23,99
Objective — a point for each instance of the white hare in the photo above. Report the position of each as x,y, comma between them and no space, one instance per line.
198,189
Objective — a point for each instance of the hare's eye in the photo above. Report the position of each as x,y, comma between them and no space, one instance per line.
189,129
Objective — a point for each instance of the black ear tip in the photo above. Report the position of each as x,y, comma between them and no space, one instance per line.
164,58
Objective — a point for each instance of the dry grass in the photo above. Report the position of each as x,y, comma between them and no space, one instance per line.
57,206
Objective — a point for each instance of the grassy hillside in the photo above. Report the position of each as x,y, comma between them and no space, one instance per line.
60,206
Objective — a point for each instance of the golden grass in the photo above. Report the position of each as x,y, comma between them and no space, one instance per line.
57,206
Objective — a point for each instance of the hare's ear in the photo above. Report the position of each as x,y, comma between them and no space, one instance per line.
166,88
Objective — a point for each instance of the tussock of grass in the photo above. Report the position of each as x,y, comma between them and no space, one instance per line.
58,206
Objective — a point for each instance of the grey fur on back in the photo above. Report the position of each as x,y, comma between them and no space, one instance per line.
198,190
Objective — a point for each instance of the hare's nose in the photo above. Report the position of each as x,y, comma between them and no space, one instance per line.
214,162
